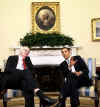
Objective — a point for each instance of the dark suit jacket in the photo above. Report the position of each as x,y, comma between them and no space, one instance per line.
83,79
14,77
12,63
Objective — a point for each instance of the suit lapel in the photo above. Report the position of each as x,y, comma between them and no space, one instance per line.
16,60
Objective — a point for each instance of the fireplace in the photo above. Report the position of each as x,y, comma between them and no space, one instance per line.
46,61
48,77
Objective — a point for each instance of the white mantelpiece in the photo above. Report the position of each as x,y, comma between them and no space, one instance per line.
47,55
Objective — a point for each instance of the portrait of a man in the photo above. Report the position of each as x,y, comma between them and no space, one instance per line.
45,18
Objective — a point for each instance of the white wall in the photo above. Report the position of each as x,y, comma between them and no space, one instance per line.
75,17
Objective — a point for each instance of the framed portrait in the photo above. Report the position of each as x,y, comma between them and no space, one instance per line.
96,29
45,17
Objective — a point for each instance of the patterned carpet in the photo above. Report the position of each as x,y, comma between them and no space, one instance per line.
19,102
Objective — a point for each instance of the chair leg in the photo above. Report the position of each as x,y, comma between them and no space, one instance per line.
97,100
96,103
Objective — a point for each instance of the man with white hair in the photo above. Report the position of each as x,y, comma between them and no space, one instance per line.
19,73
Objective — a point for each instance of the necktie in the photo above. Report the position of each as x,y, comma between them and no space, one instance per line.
24,65
68,62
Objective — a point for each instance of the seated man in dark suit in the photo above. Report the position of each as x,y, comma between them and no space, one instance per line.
75,73
18,74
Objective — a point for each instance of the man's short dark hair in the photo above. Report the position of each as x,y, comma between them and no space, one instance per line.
68,48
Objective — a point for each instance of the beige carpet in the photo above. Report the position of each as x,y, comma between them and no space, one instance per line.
19,102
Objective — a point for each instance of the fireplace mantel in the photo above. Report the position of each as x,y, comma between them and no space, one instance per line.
47,55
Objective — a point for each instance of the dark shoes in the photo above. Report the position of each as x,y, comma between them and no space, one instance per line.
61,102
44,99
60,105
74,106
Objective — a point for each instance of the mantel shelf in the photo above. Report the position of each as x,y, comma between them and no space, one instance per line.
47,47
46,54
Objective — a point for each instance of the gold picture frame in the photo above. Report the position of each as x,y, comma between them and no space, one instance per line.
45,17
95,29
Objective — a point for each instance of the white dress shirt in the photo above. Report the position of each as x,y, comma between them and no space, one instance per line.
20,63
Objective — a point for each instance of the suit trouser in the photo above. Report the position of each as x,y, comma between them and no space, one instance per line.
21,79
70,90
29,84
29,99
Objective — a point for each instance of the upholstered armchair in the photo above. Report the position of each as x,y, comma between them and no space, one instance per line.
91,91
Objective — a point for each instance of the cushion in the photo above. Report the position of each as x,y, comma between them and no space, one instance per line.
13,93
87,91
84,91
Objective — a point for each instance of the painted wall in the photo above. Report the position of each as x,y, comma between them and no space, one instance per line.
75,17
